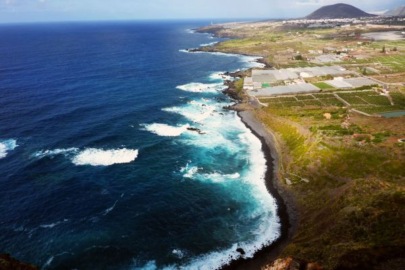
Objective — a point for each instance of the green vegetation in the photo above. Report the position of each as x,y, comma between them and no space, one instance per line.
323,85
354,190
239,86
305,97
345,169
366,101
398,98
391,63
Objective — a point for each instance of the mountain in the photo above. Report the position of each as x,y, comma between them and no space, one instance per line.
337,11
397,12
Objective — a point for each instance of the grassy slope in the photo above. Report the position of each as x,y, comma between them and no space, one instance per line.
355,194
349,188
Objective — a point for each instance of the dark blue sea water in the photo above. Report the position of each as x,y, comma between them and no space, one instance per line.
98,169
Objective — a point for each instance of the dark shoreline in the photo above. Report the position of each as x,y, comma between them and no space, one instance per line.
286,206
285,202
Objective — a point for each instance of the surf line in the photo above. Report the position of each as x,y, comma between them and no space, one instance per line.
286,206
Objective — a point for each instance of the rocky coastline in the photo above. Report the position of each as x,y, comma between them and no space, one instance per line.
286,210
341,225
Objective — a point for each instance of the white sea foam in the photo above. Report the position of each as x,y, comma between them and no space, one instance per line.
264,206
151,265
108,210
216,76
166,130
209,44
178,253
7,146
92,156
197,87
251,61
215,177
196,111
100,157
225,133
189,172
48,262
52,225
218,177
55,152
52,258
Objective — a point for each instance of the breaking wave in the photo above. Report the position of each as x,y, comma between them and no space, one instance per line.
202,87
7,146
191,172
92,156
55,152
99,157
166,130
196,111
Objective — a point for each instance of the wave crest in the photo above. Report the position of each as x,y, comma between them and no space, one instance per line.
166,130
100,157
196,87
55,152
7,146
92,156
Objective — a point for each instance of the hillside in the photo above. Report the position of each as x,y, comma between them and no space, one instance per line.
338,11
398,12
344,169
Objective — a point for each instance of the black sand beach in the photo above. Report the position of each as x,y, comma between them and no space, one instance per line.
286,207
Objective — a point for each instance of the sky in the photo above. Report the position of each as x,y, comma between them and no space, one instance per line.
12,11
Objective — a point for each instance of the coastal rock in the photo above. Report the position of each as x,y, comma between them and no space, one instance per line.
196,130
9,263
241,251
291,264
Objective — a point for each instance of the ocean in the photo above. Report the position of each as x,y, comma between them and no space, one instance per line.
116,151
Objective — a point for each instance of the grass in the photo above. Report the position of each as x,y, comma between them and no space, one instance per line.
396,63
398,98
352,98
379,109
293,104
351,211
239,85
312,103
354,192
323,85
287,99
367,101
304,97
393,63
331,102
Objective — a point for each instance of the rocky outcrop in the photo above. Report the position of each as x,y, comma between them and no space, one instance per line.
9,263
292,264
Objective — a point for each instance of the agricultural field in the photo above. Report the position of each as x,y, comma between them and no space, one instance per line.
323,85
350,157
367,101
394,63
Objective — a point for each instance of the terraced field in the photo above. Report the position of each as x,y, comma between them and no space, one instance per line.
368,101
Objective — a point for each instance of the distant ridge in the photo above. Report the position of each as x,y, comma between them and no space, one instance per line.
397,12
338,11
